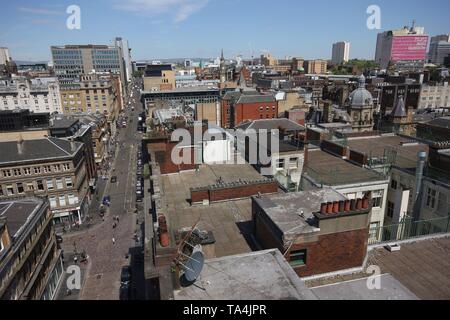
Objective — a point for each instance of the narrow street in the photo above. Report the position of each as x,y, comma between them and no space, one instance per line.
108,256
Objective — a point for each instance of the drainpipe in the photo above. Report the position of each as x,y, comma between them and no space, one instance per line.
419,177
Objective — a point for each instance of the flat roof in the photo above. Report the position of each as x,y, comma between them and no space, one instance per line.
18,212
391,289
376,146
229,221
331,170
199,89
421,266
262,275
284,209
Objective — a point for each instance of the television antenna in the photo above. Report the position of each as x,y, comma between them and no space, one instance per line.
190,259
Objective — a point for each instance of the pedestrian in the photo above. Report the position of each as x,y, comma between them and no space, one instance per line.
113,241
114,225
118,219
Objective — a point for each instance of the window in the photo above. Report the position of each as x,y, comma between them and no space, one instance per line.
293,162
431,198
394,184
59,184
20,188
37,170
10,190
49,184
30,186
52,200
69,183
40,185
27,171
377,198
17,172
298,258
1,190
7,173
47,169
66,166
72,199
374,230
280,163
390,209
57,167
62,200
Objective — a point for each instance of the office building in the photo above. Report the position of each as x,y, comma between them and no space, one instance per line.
48,167
159,77
404,46
439,49
37,95
31,266
341,53
435,96
126,56
72,61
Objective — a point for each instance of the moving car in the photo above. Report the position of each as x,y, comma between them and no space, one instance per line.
124,292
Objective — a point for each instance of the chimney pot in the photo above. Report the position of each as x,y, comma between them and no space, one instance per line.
341,206
353,205
336,207
366,203
359,204
323,208
347,206
329,207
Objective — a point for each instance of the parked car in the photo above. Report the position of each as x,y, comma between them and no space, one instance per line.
114,179
125,277
124,292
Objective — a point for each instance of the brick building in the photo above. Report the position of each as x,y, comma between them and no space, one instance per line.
238,107
318,231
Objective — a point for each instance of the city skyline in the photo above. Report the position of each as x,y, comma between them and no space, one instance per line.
191,29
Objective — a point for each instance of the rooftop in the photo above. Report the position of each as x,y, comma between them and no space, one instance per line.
405,149
262,275
18,212
331,170
285,209
229,221
63,123
423,267
391,289
198,89
40,149
271,124
443,122
256,99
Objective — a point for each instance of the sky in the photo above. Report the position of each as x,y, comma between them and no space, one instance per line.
158,29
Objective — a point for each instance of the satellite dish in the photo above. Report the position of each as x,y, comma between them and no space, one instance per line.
194,265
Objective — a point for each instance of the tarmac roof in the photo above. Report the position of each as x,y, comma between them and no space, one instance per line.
17,212
331,170
262,275
285,209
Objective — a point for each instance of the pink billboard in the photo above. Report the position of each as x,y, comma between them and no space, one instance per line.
409,48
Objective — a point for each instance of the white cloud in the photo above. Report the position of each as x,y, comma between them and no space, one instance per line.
180,9
39,11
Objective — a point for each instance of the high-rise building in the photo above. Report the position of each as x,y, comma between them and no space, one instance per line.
341,52
439,49
72,61
126,55
4,55
402,45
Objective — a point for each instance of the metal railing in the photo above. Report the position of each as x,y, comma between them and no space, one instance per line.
409,229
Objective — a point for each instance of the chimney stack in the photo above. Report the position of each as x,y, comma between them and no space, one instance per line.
73,146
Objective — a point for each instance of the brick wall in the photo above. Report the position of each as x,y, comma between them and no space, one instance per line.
251,111
358,157
163,156
334,148
333,252
230,191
